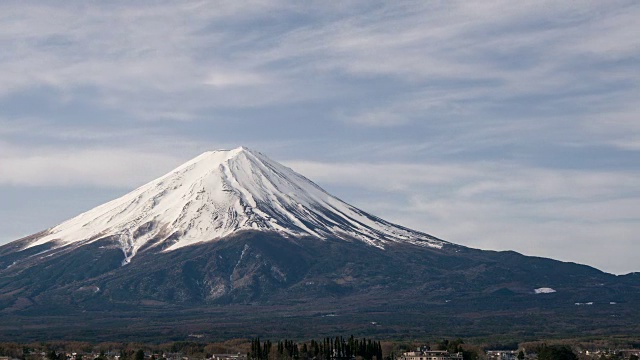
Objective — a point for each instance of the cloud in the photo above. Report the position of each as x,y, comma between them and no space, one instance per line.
139,58
166,61
111,168
382,118
222,78
459,60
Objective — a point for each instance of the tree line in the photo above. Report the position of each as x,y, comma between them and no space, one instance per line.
337,348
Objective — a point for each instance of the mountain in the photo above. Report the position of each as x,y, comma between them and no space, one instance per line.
233,244
220,193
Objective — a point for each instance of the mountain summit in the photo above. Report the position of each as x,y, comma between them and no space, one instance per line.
220,193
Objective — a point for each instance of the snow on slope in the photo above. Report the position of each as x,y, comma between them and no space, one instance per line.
219,193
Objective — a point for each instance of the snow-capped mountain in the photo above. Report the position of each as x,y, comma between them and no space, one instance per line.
220,193
234,243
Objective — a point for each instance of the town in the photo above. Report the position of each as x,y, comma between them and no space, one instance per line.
327,349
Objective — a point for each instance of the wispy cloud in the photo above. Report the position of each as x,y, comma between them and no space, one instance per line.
223,78
178,61
106,167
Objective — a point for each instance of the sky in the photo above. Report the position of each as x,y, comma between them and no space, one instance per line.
497,124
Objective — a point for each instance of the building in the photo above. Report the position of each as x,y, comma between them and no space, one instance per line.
502,354
237,356
424,354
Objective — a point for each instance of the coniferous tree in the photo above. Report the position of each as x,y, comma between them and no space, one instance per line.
556,352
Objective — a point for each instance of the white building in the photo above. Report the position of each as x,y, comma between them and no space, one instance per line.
502,354
421,354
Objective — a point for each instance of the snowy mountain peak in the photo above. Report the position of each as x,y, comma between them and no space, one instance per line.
216,157
219,193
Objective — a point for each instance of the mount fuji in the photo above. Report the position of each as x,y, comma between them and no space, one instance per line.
220,193
234,244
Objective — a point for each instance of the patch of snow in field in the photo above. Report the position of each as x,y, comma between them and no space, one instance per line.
544,290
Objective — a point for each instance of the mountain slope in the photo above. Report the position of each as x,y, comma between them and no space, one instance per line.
260,283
